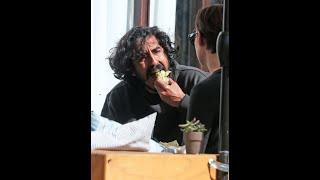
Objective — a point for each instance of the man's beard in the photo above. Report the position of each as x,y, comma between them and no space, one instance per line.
153,69
150,75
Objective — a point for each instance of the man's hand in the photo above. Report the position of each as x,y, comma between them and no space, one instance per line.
169,92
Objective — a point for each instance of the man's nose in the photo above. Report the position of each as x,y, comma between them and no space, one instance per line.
152,59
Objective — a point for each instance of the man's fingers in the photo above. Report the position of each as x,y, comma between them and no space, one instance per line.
171,81
159,84
161,92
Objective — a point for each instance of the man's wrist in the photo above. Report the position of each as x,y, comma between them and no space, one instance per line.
184,103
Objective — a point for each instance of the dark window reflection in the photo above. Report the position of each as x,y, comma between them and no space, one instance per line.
185,17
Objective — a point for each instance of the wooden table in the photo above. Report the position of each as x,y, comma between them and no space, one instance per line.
125,165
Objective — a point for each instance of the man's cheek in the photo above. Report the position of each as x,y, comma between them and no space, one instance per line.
140,74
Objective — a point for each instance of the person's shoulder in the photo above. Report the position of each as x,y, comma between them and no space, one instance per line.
202,86
209,84
215,76
120,88
200,92
187,76
183,69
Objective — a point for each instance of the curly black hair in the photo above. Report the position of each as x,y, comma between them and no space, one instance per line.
129,49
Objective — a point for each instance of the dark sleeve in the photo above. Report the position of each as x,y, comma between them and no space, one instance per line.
204,106
109,107
117,107
187,80
198,105
185,102
123,105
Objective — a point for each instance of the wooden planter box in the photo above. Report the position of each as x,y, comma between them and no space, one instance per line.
123,165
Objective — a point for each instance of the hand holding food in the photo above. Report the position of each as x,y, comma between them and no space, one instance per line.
168,90
163,75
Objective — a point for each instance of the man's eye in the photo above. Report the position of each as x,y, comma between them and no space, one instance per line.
157,50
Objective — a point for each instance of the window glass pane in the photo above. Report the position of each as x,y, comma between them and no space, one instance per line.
109,22
162,14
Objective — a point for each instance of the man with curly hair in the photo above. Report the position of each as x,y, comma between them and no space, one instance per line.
141,53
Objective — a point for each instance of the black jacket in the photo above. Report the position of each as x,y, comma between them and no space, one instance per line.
129,101
204,106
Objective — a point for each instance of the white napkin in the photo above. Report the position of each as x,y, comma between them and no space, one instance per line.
131,136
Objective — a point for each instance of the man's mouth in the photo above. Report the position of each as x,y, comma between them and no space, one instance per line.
153,70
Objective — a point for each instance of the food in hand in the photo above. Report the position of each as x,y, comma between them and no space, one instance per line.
169,144
163,75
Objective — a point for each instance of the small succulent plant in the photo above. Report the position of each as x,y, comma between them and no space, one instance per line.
193,126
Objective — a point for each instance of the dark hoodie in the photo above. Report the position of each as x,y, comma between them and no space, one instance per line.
129,101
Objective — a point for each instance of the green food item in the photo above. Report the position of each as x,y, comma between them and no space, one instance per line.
168,144
163,75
